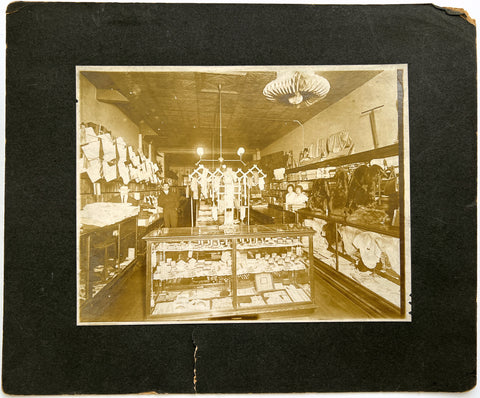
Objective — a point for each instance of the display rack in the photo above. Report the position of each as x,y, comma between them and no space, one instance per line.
383,152
106,256
215,273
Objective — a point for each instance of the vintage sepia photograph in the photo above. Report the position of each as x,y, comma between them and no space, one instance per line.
242,194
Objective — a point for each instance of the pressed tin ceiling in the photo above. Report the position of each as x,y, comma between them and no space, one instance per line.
179,111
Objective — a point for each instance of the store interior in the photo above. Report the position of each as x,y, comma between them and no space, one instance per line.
241,194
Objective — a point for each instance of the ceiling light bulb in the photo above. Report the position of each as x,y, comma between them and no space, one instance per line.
241,151
200,151
296,99
220,159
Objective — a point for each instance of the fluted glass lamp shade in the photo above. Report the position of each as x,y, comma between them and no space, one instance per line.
297,88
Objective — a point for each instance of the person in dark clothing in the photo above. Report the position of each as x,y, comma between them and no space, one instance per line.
169,201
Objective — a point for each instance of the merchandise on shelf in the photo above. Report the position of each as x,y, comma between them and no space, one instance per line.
101,214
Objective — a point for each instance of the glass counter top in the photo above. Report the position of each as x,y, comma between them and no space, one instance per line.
235,231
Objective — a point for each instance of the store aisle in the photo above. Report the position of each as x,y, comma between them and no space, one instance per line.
129,301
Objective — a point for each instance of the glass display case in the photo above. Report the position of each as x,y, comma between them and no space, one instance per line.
105,255
214,272
369,254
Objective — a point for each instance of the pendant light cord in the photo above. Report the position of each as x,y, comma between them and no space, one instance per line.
220,96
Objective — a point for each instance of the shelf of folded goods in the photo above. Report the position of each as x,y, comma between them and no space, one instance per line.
378,228
146,219
261,269
378,153
268,245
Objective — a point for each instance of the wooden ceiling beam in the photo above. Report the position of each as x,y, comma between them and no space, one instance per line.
110,96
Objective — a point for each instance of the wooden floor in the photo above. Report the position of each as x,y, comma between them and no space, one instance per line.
128,302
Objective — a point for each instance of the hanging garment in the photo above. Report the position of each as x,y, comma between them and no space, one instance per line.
261,183
92,150
316,149
229,195
228,217
109,172
216,183
133,157
204,183
94,170
339,141
229,176
249,181
221,205
87,135
108,147
215,213
312,151
334,144
133,172
149,168
323,150
255,177
194,188
345,139
124,173
369,250
242,212
121,151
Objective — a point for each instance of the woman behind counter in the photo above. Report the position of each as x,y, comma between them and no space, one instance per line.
290,198
301,199
295,200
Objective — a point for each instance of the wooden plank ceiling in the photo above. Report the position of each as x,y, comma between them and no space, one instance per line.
179,111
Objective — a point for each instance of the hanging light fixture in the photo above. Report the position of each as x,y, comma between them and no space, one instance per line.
221,159
297,88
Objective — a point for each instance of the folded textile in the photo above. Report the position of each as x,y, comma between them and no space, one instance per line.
348,235
391,247
369,250
105,213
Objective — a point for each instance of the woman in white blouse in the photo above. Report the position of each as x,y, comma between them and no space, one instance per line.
301,198
291,197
